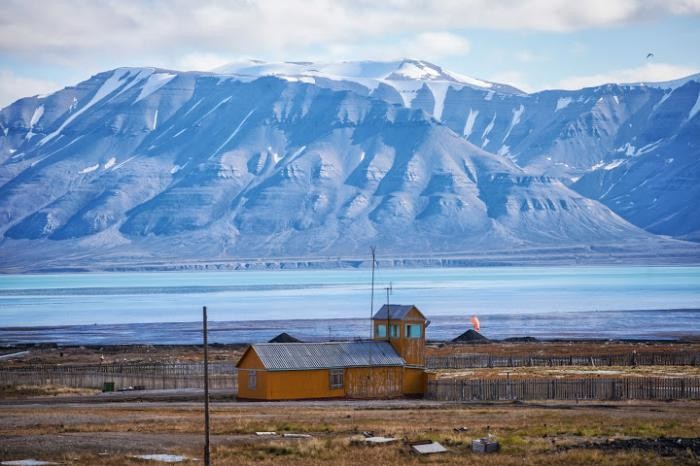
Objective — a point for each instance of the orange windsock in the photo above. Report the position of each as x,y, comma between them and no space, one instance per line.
475,323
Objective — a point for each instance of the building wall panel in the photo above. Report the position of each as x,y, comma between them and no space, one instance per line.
374,382
251,361
414,381
309,384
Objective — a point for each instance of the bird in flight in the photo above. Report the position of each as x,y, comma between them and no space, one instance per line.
650,55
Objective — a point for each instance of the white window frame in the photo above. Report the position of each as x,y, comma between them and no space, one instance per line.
381,330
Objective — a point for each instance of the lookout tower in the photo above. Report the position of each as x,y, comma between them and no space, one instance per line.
403,327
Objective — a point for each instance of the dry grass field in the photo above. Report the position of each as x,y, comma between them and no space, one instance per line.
558,348
529,433
231,353
80,430
121,354
570,372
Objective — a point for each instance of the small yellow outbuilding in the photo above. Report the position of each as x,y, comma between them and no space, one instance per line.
389,365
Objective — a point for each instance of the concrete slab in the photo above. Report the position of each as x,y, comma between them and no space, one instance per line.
428,448
380,440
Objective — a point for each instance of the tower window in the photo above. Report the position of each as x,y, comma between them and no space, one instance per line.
413,331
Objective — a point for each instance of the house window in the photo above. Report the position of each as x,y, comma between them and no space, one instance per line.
336,378
394,331
381,330
252,380
413,330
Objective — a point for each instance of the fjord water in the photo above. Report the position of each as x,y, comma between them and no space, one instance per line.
550,302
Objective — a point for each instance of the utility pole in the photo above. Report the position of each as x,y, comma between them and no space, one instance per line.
207,460
371,323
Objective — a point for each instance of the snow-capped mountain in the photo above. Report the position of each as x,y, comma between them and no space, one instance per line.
655,183
397,80
562,134
307,160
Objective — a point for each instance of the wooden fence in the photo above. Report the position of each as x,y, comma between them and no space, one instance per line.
144,376
468,361
631,388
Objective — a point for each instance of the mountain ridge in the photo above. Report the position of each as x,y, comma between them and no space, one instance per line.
135,158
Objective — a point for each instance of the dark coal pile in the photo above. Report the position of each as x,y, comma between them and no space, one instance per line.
471,336
284,337
521,340
663,446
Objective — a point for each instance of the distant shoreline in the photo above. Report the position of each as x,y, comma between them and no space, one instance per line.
681,254
239,345
607,326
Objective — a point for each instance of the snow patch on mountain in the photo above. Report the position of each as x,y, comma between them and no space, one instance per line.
117,167
562,103
232,135
189,110
439,91
469,125
110,163
213,109
517,113
468,80
155,82
488,129
110,85
695,109
36,116
415,70
503,151
406,76
673,84
628,149
407,90
89,169
613,164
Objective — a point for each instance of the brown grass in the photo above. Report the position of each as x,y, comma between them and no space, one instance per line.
123,354
529,434
559,348
570,372
26,391
231,353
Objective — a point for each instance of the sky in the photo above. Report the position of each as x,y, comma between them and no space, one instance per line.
531,44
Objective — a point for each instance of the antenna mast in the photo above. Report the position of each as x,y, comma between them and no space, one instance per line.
389,289
371,302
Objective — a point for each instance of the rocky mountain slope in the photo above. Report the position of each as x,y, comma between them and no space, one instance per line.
565,134
271,161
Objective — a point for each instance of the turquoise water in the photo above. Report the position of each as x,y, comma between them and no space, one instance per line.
121,297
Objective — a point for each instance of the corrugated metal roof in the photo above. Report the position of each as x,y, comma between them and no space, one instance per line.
397,311
297,356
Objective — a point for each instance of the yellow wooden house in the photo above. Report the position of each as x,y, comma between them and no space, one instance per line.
389,365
